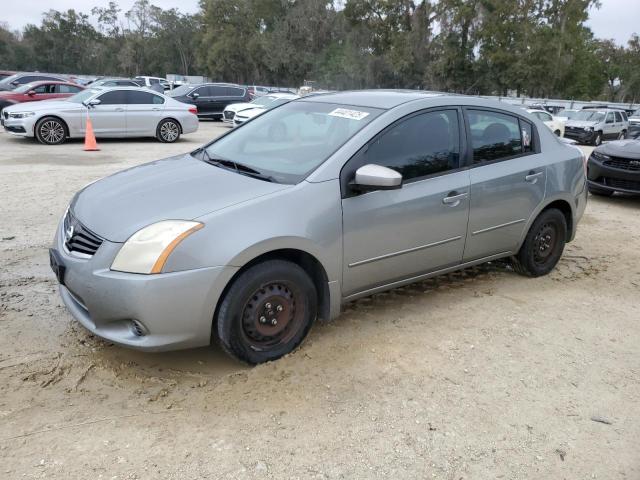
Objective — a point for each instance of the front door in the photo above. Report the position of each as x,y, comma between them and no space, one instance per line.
508,179
109,117
391,235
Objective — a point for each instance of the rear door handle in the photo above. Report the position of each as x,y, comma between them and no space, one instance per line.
453,199
119,109
155,109
532,177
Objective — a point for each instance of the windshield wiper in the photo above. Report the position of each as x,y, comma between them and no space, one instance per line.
231,165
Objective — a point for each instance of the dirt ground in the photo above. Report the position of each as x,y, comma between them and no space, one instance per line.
481,374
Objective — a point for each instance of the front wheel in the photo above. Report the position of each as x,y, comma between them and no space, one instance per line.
51,131
168,131
543,245
267,312
598,140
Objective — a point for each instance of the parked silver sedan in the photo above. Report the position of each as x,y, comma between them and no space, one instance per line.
114,112
251,238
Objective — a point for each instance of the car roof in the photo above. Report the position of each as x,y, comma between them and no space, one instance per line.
385,99
54,82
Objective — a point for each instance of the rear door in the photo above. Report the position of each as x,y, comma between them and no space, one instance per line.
391,235
144,112
109,117
508,177
610,129
233,95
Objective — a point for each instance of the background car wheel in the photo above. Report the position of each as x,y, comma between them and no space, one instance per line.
600,192
598,140
51,131
267,312
168,131
558,133
623,135
543,246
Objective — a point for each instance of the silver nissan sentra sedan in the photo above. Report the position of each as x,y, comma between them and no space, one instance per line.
251,238
114,112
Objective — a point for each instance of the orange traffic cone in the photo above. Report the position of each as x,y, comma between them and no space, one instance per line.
90,144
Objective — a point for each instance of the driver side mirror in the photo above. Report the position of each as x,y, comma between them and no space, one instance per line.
31,93
92,103
372,177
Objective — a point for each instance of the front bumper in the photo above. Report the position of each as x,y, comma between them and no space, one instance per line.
615,179
579,135
18,126
172,310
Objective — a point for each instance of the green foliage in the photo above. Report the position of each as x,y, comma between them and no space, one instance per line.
529,47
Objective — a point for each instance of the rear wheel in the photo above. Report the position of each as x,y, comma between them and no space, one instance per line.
623,135
543,246
267,312
168,131
51,131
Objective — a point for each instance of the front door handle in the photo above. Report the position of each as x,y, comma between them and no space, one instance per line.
119,109
532,177
453,199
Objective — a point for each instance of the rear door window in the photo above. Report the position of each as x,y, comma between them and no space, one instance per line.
217,91
234,92
135,97
494,136
618,117
67,89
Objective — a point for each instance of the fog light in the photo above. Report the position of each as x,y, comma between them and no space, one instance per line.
138,328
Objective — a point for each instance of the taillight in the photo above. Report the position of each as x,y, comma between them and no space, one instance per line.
193,110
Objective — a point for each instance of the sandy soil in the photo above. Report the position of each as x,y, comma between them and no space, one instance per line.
476,375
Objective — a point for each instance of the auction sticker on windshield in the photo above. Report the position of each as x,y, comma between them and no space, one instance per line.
350,114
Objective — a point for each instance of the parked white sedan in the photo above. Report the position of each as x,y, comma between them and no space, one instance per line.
114,112
554,123
263,101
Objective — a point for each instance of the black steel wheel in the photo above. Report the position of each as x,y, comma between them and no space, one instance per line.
168,131
51,131
267,311
543,245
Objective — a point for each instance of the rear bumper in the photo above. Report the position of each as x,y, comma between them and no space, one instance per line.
604,177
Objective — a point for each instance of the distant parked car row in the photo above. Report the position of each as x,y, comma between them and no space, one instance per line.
42,90
114,112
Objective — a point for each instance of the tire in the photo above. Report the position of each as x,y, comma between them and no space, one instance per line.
598,140
558,133
267,312
600,192
543,245
168,131
623,135
51,131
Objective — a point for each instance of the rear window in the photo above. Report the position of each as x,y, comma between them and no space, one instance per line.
494,135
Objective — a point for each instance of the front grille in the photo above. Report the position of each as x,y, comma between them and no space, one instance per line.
229,115
78,238
623,164
624,184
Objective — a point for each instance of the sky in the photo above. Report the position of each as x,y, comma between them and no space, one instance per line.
617,19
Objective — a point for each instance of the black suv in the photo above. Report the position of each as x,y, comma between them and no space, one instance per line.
210,98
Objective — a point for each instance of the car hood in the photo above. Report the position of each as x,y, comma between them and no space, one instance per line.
621,148
236,107
180,187
45,105
580,123
253,112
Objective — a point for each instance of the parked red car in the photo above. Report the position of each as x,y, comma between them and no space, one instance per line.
44,90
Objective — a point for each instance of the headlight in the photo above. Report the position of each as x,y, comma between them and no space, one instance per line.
21,114
601,157
589,129
147,250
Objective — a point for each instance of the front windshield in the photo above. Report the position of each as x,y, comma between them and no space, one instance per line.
289,142
589,116
264,100
83,95
179,91
636,113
